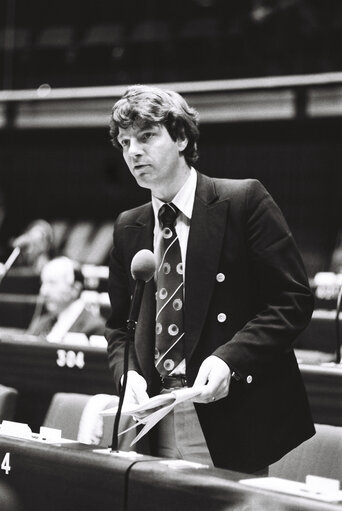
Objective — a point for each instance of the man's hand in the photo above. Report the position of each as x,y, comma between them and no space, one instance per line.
135,389
215,374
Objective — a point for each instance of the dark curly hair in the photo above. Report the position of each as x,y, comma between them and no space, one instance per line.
144,105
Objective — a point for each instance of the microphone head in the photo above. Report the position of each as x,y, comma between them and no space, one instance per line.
143,265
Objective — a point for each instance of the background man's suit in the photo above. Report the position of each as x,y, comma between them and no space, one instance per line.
246,299
86,323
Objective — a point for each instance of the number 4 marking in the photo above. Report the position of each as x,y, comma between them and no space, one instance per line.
5,465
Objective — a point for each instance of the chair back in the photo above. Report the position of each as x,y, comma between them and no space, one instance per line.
8,402
321,455
78,417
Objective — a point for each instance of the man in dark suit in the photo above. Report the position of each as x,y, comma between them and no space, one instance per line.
245,295
64,310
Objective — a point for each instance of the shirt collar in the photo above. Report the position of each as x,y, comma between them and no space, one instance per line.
184,199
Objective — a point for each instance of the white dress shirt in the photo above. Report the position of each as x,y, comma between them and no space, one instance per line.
184,200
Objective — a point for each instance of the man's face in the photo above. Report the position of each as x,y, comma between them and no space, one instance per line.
154,159
57,288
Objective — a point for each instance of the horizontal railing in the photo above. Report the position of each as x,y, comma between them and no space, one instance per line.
251,99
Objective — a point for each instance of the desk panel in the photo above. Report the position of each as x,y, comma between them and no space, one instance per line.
74,478
39,369
156,487
64,478
28,364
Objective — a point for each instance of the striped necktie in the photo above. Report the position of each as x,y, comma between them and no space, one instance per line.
169,350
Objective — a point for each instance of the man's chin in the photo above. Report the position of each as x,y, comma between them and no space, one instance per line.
144,181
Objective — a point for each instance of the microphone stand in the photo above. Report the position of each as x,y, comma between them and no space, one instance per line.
130,327
337,327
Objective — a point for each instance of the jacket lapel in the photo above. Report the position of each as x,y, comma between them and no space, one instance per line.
139,235
208,227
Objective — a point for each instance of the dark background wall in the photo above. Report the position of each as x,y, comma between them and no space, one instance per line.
77,174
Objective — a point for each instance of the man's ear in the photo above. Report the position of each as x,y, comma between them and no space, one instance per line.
77,288
182,142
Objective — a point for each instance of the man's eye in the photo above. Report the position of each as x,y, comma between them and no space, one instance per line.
146,136
123,143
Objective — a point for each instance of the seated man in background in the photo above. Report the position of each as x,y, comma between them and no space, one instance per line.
61,287
36,245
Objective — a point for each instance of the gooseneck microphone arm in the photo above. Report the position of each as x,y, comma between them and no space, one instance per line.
142,268
130,327
337,327
10,261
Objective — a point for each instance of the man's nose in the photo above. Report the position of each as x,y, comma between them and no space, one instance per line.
135,148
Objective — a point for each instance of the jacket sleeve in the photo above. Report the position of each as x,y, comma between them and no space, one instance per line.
284,298
119,294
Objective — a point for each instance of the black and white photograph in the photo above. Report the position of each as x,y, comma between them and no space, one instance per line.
171,255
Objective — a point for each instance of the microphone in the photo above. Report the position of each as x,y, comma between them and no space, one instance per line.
23,241
143,266
36,235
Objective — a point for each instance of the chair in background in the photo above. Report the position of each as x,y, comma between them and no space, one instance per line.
54,54
9,498
100,245
151,52
200,40
321,455
54,41
78,244
102,48
8,401
78,417
18,42
60,229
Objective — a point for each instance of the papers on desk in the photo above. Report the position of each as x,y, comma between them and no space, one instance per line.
311,489
23,431
154,409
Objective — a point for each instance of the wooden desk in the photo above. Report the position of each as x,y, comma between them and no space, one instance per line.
27,363
39,369
57,478
74,478
155,486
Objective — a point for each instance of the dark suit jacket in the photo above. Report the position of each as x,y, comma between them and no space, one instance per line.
237,231
86,323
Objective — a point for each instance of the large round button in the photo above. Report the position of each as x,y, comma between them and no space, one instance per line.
249,379
221,318
220,277
169,364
